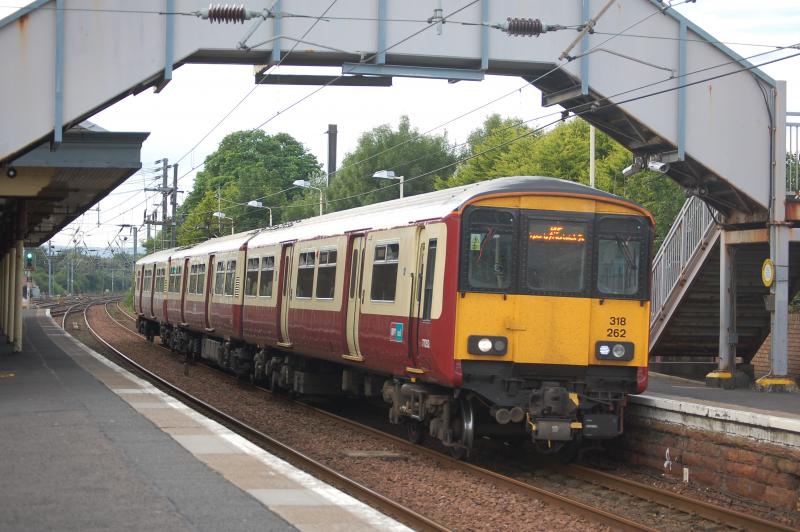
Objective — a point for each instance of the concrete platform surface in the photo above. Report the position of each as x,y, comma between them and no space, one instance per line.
778,404
88,446
762,416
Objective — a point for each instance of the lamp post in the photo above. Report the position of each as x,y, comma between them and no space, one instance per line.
258,205
305,184
389,174
221,216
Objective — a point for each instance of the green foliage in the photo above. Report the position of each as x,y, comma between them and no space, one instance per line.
248,165
404,151
92,273
497,148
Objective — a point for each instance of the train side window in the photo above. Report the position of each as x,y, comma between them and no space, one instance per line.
230,274
384,272
251,277
267,276
353,269
148,280
219,278
305,274
326,276
201,278
430,271
192,278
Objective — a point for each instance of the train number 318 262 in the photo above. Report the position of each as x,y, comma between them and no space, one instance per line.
617,330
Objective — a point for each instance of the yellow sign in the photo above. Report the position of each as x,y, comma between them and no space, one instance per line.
767,272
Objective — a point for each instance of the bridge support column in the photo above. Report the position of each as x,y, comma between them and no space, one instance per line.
2,294
725,374
20,280
777,379
9,299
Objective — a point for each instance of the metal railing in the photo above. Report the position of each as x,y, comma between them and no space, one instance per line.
793,154
692,227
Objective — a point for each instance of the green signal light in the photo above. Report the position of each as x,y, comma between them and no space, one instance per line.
29,255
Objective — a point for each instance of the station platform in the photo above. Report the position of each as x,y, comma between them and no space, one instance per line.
771,417
88,446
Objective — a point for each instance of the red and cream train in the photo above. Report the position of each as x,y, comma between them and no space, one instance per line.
516,307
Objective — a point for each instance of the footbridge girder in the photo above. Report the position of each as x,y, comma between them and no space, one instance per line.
656,95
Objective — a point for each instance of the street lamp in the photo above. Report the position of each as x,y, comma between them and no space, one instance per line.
389,174
258,205
221,216
302,183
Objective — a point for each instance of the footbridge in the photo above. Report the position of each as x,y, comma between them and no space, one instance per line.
678,99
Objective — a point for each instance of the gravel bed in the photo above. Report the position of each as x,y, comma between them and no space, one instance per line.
451,497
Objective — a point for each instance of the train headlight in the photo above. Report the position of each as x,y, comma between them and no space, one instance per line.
487,345
619,351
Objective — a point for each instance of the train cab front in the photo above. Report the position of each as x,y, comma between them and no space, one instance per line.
552,315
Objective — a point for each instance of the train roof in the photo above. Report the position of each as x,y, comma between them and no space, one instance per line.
388,214
430,206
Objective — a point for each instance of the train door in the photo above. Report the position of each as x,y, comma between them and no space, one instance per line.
207,298
152,289
139,289
286,293
422,299
355,297
184,286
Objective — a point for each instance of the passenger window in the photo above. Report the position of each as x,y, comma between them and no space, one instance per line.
305,274
251,278
219,278
353,269
326,277
201,278
267,276
192,278
230,275
384,272
430,271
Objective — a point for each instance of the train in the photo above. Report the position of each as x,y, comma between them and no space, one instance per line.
514,308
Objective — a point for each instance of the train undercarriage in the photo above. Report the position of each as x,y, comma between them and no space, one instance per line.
554,407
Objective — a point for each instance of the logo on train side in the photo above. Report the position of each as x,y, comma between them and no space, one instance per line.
395,331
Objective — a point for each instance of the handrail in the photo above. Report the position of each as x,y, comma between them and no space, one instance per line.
793,156
693,224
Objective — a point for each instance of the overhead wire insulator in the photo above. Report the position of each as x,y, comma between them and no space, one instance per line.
227,13
526,27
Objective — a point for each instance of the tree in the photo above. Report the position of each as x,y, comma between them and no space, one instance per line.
496,149
404,151
248,165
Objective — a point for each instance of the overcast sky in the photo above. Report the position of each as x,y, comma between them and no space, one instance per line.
200,95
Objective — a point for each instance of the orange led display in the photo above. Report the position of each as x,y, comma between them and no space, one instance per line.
555,233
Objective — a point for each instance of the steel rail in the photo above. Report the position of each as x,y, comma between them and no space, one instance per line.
308,464
680,502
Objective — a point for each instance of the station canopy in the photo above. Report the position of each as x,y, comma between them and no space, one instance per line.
48,187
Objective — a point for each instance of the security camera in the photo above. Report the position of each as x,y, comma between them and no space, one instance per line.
658,166
11,172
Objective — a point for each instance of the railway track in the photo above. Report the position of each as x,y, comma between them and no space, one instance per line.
703,514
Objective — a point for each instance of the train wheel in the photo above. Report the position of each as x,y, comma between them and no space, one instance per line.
464,431
274,382
415,431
